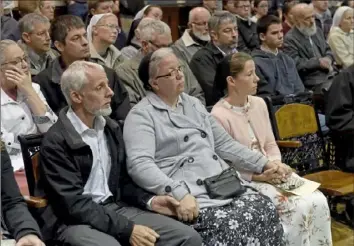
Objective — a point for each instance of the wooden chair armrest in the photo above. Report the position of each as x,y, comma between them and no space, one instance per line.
289,144
35,202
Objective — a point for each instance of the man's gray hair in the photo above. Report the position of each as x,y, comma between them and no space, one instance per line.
75,77
156,58
4,44
219,18
27,22
148,29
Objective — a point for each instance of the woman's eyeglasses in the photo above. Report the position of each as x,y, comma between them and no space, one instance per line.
173,72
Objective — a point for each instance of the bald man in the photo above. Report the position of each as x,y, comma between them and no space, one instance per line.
306,44
196,36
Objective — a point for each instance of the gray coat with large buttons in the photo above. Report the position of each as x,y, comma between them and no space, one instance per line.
168,151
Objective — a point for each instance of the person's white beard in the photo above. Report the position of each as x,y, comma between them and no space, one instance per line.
308,31
100,112
203,37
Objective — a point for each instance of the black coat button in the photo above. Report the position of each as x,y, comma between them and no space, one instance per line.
215,157
186,138
190,159
203,134
8,143
23,117
199,182
168,189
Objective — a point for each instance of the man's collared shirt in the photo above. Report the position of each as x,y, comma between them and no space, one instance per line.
97,183
187,46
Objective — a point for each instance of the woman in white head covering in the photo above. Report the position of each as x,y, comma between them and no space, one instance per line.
102,33
341,36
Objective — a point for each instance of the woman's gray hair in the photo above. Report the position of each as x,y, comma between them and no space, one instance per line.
149,28
156,58
4,44
27,22
219,18
75,77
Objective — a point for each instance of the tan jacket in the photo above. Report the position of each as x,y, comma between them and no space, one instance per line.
342,46
128,75
113,60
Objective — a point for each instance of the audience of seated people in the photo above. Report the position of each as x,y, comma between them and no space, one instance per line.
18,222
183,145
196,36
288,17
47,8
24,109
85,179
98,183
341,36
97,7
70,38
246,118
133,42
260,8
35,40
247,33
323,16
102,32
276,70
154,34
223,33
339,115
305,43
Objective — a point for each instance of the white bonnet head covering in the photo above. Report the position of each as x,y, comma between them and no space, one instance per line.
338,16
140,14
93,22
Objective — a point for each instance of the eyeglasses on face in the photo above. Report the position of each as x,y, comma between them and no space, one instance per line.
173,72
111,26
17,61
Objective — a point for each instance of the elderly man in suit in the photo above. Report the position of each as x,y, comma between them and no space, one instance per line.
19,222
306,44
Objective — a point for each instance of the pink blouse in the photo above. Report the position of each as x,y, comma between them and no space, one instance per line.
248,124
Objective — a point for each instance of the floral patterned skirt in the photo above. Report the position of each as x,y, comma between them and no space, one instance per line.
306,219
249,220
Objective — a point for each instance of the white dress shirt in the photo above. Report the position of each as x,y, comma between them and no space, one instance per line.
97,183
17,119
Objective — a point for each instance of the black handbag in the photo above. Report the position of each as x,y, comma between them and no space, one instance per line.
223,186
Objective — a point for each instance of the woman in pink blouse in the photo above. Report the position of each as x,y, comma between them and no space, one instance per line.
305,219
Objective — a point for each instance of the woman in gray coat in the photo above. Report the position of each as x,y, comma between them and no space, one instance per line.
173,144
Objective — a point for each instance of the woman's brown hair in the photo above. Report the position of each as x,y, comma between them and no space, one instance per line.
237,63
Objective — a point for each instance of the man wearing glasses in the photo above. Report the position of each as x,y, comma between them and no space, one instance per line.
35,40
197,34
223,32
248,39
153,34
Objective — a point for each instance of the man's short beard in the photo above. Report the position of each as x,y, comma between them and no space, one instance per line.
100,112
203,37
308,31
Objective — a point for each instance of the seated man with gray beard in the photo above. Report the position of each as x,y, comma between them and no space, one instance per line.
196,36
307,46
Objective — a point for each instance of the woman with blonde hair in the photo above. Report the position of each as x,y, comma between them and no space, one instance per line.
341,36
305,219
